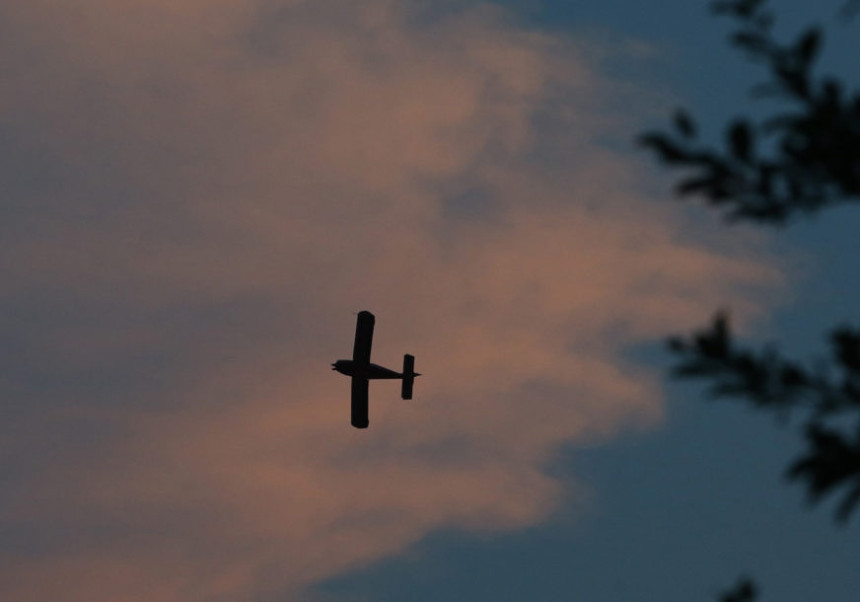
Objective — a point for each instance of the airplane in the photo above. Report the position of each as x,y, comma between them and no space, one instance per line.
362,371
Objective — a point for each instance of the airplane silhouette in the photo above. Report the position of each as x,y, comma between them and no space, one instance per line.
362,371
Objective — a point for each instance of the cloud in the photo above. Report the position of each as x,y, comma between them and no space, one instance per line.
200,195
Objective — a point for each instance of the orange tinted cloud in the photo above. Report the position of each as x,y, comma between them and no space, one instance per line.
220,185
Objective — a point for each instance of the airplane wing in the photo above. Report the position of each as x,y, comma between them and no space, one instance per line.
360,417
363,338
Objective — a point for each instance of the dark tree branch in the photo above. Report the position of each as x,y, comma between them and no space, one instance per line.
803,158
827,395
813,149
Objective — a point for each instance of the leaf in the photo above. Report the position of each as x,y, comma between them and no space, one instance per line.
684,124
792,376
740,140
794,80
848,505
676,344
831,462
668,150
693,185
808,45
744,591
721,332
846,347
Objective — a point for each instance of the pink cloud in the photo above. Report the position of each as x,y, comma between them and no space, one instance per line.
237,178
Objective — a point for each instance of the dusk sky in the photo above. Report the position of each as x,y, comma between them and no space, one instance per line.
199,195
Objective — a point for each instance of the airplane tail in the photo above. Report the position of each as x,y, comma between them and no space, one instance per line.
409,375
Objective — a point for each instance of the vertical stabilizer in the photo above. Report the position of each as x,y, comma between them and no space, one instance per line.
408,376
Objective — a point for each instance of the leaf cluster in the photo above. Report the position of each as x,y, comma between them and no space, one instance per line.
827,394
799,160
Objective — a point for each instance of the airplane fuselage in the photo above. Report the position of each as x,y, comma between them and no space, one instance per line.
371,372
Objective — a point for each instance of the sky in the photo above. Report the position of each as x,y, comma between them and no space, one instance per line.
200,195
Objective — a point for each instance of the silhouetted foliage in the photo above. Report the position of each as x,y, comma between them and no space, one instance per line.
828,395
811,161
801,159
798,160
